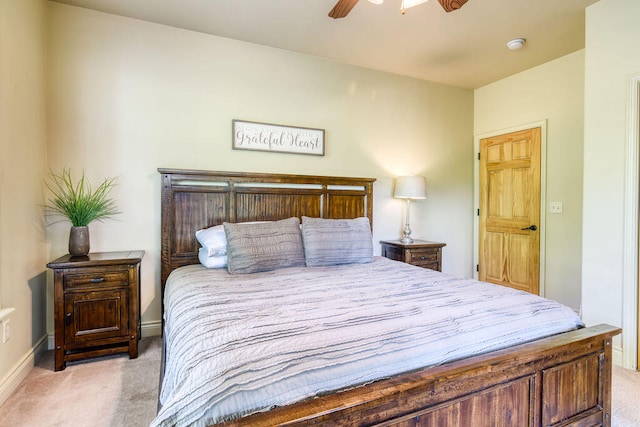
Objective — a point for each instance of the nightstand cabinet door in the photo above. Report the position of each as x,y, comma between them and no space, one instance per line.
96,305
95,315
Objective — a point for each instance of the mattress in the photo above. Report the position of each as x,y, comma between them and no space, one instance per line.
240,344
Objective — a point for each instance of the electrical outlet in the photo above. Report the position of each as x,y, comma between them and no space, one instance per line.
6,331
555,207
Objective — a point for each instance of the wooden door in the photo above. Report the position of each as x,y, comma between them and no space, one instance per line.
509,229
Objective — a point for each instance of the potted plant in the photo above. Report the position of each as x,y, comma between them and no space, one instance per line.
80,204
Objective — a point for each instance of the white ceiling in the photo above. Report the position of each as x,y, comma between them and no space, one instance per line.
464,48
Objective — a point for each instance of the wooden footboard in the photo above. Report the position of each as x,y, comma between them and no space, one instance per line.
564,380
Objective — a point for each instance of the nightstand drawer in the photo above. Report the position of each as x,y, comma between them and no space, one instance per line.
429,265
99,277
421,257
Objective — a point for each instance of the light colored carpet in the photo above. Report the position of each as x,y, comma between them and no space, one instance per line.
115,391
109,391
625,398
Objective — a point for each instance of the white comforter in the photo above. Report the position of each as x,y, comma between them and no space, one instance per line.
246,343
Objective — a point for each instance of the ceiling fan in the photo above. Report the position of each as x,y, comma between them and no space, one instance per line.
343,7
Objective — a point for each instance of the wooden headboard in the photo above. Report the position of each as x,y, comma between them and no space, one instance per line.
193,199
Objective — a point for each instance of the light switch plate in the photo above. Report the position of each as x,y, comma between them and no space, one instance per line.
555,207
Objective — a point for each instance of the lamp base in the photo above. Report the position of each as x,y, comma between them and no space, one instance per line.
406,231
406,235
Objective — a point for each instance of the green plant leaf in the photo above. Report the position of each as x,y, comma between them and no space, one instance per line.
78,202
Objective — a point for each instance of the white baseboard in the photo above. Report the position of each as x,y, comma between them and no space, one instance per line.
618,360
151,329
21,369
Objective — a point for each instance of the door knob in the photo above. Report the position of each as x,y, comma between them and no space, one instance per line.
531,227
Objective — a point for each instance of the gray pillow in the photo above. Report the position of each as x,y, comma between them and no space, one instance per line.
336,241
263,246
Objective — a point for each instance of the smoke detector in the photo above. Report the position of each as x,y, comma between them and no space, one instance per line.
516,44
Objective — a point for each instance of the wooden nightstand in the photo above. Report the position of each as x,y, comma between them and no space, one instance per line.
421,252
96,305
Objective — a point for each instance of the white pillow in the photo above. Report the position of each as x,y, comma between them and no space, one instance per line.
213,239
211,261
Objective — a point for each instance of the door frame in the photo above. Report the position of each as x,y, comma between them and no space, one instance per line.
543,192
630,281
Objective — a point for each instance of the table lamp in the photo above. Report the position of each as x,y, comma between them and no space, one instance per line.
409,188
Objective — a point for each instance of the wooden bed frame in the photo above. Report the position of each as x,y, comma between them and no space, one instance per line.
563,380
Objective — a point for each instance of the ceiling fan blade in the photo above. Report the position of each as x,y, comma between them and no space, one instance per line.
342,8
451,5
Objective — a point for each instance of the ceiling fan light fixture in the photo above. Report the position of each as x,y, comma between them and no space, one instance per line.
516,44
343,7
406,4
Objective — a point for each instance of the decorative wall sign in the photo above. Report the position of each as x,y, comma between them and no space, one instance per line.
277,138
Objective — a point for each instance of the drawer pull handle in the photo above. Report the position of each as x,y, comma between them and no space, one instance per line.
423,258
67,319
97,280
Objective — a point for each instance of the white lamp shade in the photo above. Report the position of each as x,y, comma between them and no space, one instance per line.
410,187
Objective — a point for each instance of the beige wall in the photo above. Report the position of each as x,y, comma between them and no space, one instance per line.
129,96
552,92
22,162
612,58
